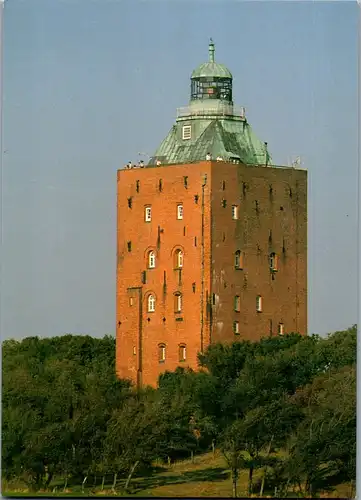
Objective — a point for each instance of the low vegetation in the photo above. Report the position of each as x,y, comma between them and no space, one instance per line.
277,417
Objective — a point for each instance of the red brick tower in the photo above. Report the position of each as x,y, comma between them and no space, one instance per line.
211,239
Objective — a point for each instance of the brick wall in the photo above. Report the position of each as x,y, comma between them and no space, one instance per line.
262,227
272,217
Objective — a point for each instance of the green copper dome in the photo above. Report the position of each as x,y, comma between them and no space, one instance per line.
211,68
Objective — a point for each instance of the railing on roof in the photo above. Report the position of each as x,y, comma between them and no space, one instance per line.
223,110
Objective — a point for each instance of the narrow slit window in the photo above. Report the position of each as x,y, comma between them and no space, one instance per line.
224,203
160,185
151,303
137,186
234,212
179,212
130,202
281,329
131,301
185,181
223,185
182,352
148,214
129,245
236,327
194,287
237,303
259,303
196,198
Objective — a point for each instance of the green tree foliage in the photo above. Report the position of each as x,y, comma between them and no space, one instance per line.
65,414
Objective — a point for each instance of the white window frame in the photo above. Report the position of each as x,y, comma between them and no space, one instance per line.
180,211
162,350
238,259
236,327
178,303
179,259
281,329
273,262
151,303
148,214
151,259
237,303
186,132
182,352
259,303
235,212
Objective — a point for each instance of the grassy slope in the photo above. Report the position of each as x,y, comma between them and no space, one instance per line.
208,476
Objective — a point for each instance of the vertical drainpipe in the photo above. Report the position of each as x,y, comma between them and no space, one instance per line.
140,336
202,265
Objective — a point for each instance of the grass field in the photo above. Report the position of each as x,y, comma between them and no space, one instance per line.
208,476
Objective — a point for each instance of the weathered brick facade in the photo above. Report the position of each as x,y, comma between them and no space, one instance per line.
271,218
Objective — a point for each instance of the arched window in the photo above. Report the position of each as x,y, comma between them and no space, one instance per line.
161,353
182,352
238,260
178,302
151,303
273,262
178,263
151,259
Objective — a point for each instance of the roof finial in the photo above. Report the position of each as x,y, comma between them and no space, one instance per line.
211,50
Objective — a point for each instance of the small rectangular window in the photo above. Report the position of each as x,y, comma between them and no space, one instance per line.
148,214
137,184
134,351
131,301
223,185
194,287
236,327
186,132
182,353
185,180
179,212
196,198
161,353
224,203
259,303
237,303
160,185
130,202
144,277
195,241
281,329
129,245
234,212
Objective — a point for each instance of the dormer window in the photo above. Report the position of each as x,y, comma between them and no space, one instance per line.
186,132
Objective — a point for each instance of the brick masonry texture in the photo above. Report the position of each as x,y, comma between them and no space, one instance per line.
272,217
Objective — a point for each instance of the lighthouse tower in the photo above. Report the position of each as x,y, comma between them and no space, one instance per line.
211,238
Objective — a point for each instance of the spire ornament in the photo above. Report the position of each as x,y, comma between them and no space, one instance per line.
211,50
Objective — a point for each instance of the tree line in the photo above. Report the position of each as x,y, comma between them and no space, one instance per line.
285,405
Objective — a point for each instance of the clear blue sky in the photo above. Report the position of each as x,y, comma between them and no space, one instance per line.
89,84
